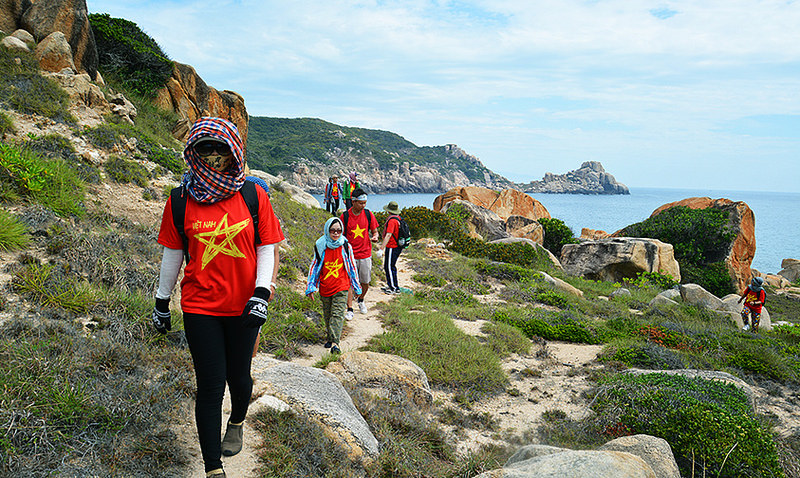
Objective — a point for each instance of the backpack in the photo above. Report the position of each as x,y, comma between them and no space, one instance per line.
178,206
403,238
346,215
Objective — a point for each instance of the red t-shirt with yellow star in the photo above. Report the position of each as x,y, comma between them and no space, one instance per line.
221,275
357,232
333,277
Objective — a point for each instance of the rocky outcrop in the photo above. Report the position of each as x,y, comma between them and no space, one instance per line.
506,203
619,258
790,269
11,14
631,456
560,286
191,98
70,17
386,376
319,396
14,44
297,194
590,178
481,223
54,53
739,254
593,234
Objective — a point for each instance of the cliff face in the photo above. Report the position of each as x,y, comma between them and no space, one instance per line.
590,178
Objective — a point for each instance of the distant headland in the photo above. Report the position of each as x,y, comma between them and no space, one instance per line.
590,178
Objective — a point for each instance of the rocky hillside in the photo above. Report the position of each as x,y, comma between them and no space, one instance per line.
306,151
590,178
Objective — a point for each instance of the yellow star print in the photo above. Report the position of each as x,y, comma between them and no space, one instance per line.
358,231
333,269
226,246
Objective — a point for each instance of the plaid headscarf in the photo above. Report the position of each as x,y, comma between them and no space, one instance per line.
205,184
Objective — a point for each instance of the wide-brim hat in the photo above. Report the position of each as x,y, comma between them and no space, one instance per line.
392,207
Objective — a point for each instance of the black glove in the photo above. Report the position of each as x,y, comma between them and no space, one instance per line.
255,312
161,317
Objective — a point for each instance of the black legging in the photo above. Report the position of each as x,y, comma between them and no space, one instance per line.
390,256
221,350
334,205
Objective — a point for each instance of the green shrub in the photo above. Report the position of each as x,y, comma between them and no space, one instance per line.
654,279
503,271
45,286
24,168
448,356
518,253
13,234
550,325
448,296
707,423
6,124
129,54
24,89
430,279
64,192
556,234
701,239
123,171
505,339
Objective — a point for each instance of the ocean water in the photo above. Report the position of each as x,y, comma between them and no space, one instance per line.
777,214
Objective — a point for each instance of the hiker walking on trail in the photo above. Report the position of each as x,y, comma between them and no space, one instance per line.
361,230
754,297
332,274
226,230
390,248
333,192
348,189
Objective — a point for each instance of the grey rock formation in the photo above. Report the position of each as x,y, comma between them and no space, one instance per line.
297,194
619,258
561,286
14,44
655,451
694,294
319,396
538,461
790,269
386,376
482,222
590,178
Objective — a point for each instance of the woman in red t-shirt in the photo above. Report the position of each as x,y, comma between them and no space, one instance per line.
333,273
227,280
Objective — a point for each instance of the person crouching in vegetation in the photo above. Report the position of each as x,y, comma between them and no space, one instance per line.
754,297
333,273
226,284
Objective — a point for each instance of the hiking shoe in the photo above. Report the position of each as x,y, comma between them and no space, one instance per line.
362,307
327,345
348,315
746,327
386,290
232,443
218,473
335,350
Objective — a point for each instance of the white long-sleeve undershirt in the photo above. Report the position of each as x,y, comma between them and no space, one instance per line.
173,258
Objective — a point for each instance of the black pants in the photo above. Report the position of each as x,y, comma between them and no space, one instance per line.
221,350
334,205
390,256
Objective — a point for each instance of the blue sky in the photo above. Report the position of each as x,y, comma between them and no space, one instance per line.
675,94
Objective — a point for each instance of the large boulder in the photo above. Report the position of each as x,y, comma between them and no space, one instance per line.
482,222
790,269
506,203
386,376
86,100
655,451
733,308
11,14
191,98
619,258
560,286
695,295
69,17
521,226
54,53
14,44
319,396
539,461
739,254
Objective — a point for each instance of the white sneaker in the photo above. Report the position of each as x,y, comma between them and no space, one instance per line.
348,315
362,307
746,327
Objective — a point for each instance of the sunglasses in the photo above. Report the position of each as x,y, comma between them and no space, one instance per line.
207,148
335,231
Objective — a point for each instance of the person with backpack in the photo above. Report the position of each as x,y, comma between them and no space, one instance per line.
754,297
333,191
361,230
396,237
348,189
332,274
227,235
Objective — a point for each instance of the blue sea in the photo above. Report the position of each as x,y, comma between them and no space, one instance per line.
777,214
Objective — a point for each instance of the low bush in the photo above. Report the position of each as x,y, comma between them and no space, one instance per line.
448,295
128,53
122,170
448,356
708,424
550,325
24,89
556,234
13,234
653,279
433,280
505,339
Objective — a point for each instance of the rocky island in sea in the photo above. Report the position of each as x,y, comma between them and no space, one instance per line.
590,178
